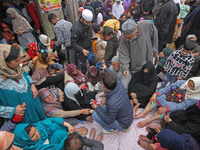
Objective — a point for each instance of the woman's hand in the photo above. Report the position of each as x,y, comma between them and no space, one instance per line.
133,95
153,97
167,119
20,109
34,91
61,98
71,129
85,111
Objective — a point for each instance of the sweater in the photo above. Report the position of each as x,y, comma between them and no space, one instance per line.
118,106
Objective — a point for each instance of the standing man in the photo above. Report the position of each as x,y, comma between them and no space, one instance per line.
63,35
137,44
166,23
81,34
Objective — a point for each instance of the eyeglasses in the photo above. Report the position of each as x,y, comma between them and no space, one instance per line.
42,51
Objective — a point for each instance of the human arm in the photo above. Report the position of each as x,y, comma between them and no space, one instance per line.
186,68
71,129
154,38
71,113
93,144
59,36
108,51
75,36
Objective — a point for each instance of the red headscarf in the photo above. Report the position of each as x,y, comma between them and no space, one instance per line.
32,50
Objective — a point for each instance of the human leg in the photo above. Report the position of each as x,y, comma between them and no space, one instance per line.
145,111
82,63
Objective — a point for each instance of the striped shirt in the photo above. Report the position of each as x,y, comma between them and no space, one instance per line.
179,65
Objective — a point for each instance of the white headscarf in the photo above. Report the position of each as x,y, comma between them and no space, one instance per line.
192,93
43,39
117,10
71,89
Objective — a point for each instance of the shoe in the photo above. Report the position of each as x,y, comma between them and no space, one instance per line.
109,132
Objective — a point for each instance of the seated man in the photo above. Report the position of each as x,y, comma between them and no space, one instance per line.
117,113
115,67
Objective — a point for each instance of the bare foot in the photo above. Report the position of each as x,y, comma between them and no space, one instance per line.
89,119
141,115
100,137
135,108
92,133
143,123
161,110
146,139
154,126
82,131
143,144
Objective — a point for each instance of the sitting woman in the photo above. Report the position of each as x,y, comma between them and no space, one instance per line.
142,86
51,102
43,79
93,79
16,86
42,60
46,43
42,135
33,49
75,99
77,76
177,96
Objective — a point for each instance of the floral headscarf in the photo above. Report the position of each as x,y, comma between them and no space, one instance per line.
32,49
19,23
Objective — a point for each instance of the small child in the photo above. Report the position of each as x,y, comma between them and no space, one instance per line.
97,34
179,63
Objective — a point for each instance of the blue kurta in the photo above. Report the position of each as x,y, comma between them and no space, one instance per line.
13,93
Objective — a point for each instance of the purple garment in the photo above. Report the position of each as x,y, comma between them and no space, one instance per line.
8,126
107,6
126,3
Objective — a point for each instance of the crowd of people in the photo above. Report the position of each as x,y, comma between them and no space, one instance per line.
115,59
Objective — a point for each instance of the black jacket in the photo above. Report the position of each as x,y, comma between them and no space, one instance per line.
81,37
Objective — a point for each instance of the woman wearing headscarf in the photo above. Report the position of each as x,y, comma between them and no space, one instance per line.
21,27
32,50
78,76
108,6
143,85
75,99
42,135
51,103
93,79
16,86
177,96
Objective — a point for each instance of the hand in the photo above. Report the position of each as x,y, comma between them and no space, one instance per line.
153,97
125,73
20,109
61,98
103,101
195,54
161,54
179,78
165,70
167,119
93,104
103,66
38,31
85,52
34,91
161,110
85,111
71,129
133,95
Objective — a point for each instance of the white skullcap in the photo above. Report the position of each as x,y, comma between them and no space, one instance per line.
118,0
87,15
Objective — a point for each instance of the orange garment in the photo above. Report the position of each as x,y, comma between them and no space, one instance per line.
96,43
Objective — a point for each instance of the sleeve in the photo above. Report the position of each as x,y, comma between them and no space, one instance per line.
93,144
75,36
124,54
66,114
187,67
59,36
29,78
71,104
131,83
108,51
125,79
7,111
189,127
8,126
108,116
169,61
154,38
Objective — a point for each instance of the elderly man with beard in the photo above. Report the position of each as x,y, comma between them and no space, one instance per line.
81,34
115,67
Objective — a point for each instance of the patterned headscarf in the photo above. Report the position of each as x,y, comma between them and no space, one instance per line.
15,74
19,23
33,48
49,108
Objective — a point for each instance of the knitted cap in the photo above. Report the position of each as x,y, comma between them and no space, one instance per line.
87,15
115,59
129,26
189,45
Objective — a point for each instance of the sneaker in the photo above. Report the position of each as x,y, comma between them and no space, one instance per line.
109,132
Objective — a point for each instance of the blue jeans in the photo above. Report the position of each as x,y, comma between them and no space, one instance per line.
173,106
108,127
3,41
168,78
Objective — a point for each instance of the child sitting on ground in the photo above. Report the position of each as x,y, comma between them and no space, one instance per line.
179,63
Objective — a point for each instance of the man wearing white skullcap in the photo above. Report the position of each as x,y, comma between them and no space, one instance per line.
81,34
